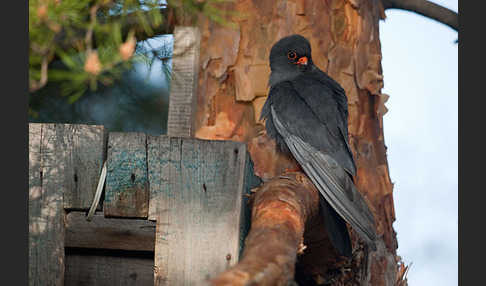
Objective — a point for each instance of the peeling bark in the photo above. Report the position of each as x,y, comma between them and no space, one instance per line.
232,89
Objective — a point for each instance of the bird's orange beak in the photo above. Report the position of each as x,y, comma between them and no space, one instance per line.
302,61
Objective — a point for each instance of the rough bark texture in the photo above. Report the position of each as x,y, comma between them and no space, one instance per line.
233,76
280,209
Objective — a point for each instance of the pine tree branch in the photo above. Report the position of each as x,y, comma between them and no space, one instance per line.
427,9
280,211
36,85
167,26
131,22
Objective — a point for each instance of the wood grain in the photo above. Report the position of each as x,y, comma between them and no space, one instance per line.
109,233
158,156
47,166
126,190
85,146
97,270
185,67
200,208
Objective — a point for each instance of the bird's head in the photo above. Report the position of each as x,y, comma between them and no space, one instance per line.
289,57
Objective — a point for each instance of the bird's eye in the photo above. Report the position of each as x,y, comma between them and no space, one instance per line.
292,55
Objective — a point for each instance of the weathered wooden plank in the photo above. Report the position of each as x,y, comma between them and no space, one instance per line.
162,204
47,166
158,156
126,190
153,171
85,145
81,153
96,270
185,68
200,211
109,233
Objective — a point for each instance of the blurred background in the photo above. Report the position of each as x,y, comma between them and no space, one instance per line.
138,101
420,67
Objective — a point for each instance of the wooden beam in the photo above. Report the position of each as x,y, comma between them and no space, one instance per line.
200,207
109,233
104,270
185,68
126,190
47,167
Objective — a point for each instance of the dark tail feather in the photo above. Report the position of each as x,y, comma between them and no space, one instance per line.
336,228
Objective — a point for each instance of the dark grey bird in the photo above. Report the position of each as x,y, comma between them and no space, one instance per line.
306,112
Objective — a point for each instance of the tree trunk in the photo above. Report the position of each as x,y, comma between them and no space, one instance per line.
232,88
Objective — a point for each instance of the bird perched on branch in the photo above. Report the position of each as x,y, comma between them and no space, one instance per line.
306,113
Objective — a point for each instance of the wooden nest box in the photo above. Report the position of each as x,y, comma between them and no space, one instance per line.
174,207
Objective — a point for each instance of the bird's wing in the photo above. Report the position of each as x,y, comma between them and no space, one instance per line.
332,181
328,101
337,92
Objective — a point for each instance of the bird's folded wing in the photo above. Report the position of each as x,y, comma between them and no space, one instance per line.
333,183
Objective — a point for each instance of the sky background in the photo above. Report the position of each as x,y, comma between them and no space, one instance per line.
421,76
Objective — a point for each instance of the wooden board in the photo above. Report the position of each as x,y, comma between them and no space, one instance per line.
85,146
109,233
199,207
47,167
96,270
126,189
158,158
79,149
185,68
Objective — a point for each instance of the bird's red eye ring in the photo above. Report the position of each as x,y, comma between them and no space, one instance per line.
292,55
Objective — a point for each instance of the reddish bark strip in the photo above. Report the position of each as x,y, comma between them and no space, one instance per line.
279,213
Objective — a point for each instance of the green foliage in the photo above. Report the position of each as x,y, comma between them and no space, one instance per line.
83,43
209,8
70,29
